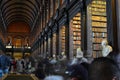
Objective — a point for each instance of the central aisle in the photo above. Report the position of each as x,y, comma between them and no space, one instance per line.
20,77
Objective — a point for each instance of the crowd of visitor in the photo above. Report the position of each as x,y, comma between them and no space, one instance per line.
106,67
11,65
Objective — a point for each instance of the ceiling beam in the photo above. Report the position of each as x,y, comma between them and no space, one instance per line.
4,24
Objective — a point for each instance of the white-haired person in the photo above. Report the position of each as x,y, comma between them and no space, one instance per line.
54,77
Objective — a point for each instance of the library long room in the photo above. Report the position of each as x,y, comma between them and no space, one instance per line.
59,39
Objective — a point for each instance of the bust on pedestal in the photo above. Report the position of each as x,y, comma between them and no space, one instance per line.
79,53
79,57
106,49
63,55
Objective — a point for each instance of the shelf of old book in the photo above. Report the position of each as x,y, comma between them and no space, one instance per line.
63,39
99,25
76,31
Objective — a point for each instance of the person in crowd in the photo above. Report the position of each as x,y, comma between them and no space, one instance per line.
115,56
20,65
28,66
112,55
39,73
13,65
79,57
53,63
104,68
53,60
106,49
117,59
9,58
54,77
77,71
23,64
46,65
29,63
4,64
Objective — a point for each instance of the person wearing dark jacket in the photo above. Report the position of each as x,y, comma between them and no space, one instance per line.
4,64
104,68
78,71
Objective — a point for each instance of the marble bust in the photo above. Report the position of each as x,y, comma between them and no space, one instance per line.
79,53
63,55
79,58
106,49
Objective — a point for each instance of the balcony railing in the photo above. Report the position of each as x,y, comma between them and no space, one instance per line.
18,48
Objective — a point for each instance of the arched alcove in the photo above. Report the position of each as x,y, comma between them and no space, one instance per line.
18,27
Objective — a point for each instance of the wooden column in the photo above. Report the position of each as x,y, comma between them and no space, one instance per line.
84,29
57,40
43,47
112,24
118,22
51,44
71,46
49,49
39,47
67,35
46,44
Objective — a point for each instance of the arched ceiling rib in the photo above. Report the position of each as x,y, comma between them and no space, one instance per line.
20,17
5,13
19,10
25,14
15,19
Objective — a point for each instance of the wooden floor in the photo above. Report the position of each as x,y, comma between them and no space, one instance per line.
19,77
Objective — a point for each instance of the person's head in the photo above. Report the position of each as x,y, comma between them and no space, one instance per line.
78,71
54,77
117,59
104,69
1,52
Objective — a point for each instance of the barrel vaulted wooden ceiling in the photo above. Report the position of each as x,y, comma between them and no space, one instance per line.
20,10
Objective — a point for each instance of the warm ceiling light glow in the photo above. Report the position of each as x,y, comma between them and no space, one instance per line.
29,47
9,46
